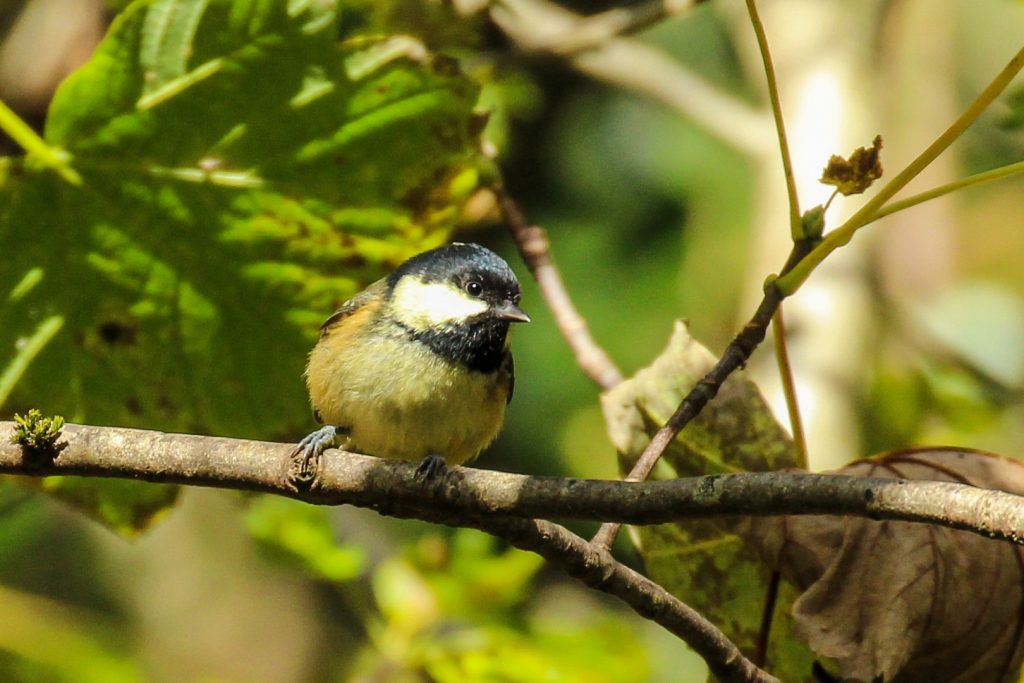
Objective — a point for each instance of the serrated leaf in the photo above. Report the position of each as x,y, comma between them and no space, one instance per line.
243,173
903,602
705,562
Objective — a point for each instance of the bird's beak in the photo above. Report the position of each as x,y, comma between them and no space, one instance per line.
510,312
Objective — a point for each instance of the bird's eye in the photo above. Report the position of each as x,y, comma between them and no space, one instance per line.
474,288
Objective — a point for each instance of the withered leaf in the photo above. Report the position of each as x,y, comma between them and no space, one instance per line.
858,172
736,433
907,602
705,562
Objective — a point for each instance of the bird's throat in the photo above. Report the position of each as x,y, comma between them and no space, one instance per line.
479,345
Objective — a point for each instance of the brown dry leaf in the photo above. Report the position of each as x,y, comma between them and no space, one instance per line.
903,602
857,173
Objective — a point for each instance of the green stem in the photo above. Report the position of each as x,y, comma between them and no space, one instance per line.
789,282
976,179
795,224
796,423
35,146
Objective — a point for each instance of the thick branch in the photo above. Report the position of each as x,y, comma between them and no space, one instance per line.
467,496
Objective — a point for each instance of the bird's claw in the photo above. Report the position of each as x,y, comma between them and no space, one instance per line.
431,467
304,460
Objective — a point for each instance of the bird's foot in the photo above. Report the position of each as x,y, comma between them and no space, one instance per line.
431,467
304,460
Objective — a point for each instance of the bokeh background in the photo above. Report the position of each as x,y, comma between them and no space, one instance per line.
659,184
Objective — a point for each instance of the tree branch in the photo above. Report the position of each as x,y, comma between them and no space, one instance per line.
598,569
466,496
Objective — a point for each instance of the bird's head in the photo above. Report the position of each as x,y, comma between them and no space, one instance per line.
455,286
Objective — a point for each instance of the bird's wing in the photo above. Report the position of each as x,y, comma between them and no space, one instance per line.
371,293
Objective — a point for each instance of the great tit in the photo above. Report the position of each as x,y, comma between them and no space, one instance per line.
417,366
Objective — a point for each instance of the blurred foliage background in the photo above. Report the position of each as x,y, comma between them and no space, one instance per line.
663,199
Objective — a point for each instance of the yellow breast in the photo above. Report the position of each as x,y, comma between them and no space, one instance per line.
408,402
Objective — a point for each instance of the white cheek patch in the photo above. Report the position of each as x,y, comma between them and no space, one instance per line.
423,305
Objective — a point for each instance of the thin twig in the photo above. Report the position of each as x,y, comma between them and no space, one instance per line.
946,188
801,262
790,282
796,424
598,569
795,224
535,250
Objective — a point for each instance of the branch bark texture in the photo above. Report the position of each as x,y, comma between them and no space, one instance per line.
467,495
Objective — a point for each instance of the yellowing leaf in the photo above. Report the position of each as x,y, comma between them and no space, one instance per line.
705,562
736,433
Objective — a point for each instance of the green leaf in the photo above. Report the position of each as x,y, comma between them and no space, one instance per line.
707,563
458,611
301,534
469,576
243,174
735,433
126,507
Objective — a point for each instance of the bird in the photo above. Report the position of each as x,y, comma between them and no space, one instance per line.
417,366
